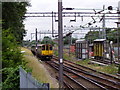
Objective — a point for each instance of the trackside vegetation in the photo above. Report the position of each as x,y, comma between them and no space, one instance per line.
39,72
11,60
12,36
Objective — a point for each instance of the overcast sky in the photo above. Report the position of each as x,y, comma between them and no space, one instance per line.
44,24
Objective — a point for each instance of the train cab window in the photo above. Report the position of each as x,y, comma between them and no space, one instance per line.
50,47
43,47
47,47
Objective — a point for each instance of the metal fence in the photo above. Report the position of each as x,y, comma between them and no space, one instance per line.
27,81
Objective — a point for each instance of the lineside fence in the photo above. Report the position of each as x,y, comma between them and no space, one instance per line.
27,81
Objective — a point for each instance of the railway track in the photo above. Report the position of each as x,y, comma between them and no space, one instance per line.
85,78
76,81
106,62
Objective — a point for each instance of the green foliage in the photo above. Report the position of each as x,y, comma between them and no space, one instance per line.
111,35
92,35
47,40
12,34
119,69
11,60
10,52
83,62
56,53
26,43
74,40
13,16
11,78
67,40
111,69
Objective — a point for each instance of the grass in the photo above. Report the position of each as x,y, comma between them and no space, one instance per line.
38,70
110,69
27,51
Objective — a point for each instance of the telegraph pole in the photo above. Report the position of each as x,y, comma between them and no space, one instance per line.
111,54
69,43
104,32
52,25
60,43
36,39
118,26
40,36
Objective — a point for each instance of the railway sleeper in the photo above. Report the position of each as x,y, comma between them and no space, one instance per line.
95,70
85,78
88,73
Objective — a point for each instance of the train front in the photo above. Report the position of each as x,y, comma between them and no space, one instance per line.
47,51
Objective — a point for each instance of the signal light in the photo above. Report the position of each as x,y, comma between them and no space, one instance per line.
110,8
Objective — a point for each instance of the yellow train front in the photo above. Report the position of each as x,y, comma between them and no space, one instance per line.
44,51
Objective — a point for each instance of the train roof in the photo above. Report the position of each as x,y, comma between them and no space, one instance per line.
81,40
100,40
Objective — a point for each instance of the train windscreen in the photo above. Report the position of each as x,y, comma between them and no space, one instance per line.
50,47
43,47
47,47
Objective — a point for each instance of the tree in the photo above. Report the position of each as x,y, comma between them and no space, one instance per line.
114,35
47,40
74,40
12,34
13,16
66,40
11,59
92,35
111,35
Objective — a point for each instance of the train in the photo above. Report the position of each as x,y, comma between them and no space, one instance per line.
43,51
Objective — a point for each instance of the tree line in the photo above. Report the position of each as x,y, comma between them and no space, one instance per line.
111,35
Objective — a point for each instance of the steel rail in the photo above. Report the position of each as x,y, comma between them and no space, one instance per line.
109,83
106,61
82,77
68,86
110,76
80,85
